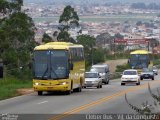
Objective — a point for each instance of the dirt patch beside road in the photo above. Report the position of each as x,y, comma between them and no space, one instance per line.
23,91
113,63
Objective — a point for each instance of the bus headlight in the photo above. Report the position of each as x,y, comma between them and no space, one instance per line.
36,83
63,83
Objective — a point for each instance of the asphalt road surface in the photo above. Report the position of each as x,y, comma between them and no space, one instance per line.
91,103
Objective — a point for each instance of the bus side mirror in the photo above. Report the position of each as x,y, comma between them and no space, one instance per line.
30,65
149,62
71,66
1,70
128,61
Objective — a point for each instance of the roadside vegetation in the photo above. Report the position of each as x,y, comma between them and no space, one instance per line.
17,31
156,60
10,85
145,108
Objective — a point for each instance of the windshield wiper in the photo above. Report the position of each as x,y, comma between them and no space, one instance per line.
138,65
52,70
43,76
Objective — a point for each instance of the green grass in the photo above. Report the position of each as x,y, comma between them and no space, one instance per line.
9,85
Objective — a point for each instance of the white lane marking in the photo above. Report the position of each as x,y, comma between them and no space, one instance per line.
42,102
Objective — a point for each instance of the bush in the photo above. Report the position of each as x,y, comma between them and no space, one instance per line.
157,62
19,73
98,56
95,56
121,68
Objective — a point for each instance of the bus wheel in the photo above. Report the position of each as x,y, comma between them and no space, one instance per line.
68,92
39,92
79,89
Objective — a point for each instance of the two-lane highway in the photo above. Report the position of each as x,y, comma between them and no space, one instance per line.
109,99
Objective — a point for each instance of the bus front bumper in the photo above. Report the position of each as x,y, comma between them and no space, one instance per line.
51,88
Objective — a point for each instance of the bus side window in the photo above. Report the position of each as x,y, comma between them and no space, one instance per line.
81,54
71,59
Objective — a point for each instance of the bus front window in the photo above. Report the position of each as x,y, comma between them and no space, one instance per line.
139,61
138,64
51,64
41,64
59,64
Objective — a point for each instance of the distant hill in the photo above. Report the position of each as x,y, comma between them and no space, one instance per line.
87,1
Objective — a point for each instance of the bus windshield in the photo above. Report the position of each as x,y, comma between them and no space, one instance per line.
51,64
139,57
139,61
138,64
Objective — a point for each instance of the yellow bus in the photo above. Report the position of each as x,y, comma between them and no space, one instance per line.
140,59
58,66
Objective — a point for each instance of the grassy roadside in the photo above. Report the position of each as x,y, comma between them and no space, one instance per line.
9,86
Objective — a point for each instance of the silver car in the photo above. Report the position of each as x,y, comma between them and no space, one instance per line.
103,70
93,79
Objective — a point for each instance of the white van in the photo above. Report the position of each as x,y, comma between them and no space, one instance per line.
103,71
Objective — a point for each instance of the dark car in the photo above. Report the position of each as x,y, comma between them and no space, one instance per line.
147,74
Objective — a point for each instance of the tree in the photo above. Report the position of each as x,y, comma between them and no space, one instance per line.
139,23
68,19
46,38
98,56
104,38
120,47
88,42
16,35
118,36
63,36
55,34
